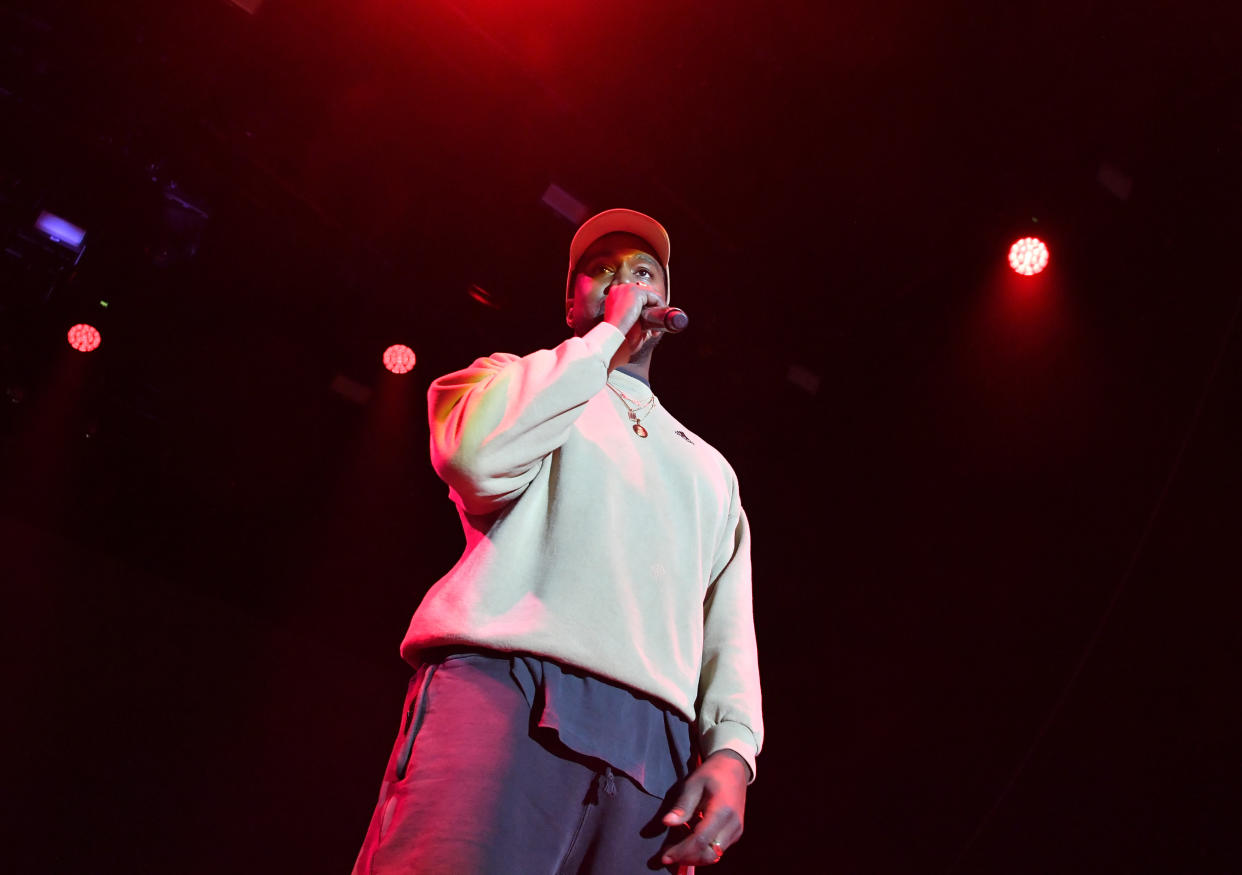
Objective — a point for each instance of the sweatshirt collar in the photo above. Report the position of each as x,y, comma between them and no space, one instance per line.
626,375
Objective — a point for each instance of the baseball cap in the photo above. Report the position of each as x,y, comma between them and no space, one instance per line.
611,222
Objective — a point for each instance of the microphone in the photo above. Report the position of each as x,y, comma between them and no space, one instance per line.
670,319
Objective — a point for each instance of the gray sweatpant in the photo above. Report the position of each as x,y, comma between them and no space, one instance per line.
471,788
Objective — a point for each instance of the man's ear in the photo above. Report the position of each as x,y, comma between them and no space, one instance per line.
569,315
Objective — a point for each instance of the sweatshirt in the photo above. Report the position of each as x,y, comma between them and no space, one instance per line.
623,556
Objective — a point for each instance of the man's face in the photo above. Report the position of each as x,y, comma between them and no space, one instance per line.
612,259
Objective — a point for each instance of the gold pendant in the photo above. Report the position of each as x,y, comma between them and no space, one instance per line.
639,430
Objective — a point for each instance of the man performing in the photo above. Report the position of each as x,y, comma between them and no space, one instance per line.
586,688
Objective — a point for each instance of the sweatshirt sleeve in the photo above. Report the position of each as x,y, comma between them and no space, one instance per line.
494,423
730,703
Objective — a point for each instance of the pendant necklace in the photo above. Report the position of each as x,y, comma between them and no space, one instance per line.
637,412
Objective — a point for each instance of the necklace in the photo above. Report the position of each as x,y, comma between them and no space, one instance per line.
636,411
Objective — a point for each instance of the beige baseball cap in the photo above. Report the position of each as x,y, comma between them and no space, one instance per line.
611,222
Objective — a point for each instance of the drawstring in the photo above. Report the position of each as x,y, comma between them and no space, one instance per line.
608,782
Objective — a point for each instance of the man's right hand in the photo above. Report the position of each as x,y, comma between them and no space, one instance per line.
625,301
622,307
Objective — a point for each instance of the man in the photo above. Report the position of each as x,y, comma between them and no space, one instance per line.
586,696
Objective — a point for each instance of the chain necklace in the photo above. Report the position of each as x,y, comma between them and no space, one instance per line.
636,411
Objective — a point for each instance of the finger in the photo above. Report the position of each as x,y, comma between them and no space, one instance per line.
720,828
685,806
697,849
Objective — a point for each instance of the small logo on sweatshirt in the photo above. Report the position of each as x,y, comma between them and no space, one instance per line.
682,435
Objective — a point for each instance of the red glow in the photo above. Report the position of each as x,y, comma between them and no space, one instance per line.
1028,256
84,338
399,359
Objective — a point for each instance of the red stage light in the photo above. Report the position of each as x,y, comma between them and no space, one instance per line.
84,338
1028,256
399,359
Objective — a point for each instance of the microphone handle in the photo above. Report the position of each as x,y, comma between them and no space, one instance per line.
669,319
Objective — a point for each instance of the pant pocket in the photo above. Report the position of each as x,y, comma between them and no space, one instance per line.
415,711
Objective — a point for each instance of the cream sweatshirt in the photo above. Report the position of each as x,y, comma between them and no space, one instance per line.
623,556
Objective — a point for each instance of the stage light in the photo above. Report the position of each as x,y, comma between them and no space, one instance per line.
484,297
61,232
399,359
1028,256
566,204
84,338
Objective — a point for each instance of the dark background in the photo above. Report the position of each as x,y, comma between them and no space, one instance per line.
996,519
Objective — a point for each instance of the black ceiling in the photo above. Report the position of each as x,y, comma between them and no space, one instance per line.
995,520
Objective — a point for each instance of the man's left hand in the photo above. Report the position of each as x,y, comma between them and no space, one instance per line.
716,792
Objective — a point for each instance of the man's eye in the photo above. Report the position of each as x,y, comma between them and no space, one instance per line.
603,268
645,271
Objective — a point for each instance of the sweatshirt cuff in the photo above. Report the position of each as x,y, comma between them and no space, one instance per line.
730,735
603,340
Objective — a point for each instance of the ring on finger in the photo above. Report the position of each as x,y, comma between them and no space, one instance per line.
716,846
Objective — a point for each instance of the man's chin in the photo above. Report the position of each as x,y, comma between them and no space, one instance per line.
643,353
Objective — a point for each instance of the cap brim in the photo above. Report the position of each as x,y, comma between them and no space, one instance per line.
614,221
